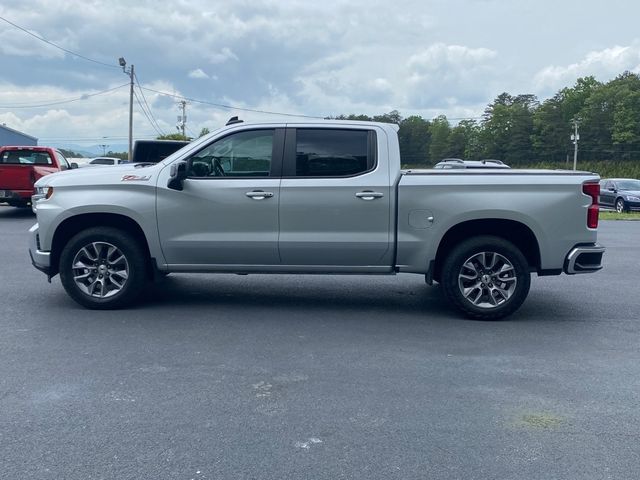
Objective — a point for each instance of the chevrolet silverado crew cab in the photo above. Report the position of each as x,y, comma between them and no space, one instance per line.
325,197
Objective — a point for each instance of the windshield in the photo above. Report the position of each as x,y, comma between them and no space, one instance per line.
629,185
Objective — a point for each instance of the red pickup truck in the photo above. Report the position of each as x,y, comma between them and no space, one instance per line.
21,167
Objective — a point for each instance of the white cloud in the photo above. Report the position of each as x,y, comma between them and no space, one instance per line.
425,57
457,57
221,56
603,64
198,73
380,78
14,42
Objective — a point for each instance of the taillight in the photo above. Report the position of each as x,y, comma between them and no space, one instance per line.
593,190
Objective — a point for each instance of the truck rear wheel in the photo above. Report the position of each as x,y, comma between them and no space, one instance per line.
486,277
103,268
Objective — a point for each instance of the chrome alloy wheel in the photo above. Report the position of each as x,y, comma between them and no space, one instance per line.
487,279
100,269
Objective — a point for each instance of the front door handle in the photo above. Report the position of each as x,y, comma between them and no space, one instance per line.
259,195
369,195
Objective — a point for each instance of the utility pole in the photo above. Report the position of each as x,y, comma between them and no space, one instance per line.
131,74
575,137
182,119
104,149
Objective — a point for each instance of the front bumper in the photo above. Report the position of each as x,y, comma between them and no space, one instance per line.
41,260
35,198
633,206
584,259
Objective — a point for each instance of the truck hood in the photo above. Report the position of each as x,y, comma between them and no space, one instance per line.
106,175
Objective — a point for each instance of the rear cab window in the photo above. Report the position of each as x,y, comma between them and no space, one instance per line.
25,157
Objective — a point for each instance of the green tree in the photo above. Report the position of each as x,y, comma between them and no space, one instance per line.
174,136
203,132
473,149
414,136
625,128
440,131
120,155
552,121
351,116
392,117
550,130
507,128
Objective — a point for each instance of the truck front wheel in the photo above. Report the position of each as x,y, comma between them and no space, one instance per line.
486,277
103,268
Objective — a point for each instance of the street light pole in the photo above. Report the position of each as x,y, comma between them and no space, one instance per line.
131,74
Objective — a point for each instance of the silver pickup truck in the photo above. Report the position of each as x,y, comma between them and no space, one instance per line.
325,197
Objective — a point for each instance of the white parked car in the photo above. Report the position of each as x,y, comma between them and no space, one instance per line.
107,161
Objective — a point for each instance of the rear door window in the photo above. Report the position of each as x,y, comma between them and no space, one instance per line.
324,152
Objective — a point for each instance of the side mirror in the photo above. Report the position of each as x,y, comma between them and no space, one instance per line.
73,165
177,175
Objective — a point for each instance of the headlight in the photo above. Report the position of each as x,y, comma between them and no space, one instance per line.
633,198
44,192
41,193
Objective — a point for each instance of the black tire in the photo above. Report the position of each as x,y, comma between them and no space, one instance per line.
494,302
117,291
621,205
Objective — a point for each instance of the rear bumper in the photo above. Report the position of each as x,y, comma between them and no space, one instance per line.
15,196
41,260
584,259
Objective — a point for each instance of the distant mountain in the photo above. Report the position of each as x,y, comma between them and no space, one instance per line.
91,150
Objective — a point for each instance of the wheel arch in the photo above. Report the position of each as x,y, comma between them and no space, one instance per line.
77,223
511,230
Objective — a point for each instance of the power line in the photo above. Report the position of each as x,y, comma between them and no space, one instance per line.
100,138
145,113
191,132
42,39
60,102
144,99
229,107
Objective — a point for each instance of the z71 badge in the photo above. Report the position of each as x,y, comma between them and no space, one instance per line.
135,178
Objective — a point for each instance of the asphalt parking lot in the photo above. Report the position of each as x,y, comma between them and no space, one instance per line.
277,377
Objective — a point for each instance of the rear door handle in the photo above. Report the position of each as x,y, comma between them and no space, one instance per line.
369,195
259,195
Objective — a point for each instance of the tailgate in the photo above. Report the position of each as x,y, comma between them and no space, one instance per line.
16,177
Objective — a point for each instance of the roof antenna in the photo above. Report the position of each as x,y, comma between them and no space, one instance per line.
233,120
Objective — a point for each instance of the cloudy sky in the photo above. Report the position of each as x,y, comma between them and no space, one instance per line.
318,58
